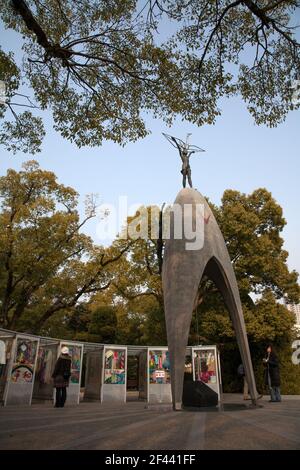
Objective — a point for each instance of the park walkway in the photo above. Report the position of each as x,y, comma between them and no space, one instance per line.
131,426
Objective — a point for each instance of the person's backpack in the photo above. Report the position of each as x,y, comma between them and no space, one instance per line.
241,370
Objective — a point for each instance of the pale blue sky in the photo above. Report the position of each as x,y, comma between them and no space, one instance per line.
239,155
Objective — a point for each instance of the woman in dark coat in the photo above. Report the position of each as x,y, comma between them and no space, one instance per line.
272,374
61,376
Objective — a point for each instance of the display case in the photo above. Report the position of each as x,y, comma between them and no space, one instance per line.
21,371
206,367
43,383
93,375
159,380
114,374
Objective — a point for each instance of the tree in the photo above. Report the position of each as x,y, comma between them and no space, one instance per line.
130,321
252,226
103,326
137,281
46,264
136,290
267,321
94,323
99,66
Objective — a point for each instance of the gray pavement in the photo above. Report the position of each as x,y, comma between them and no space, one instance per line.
131,426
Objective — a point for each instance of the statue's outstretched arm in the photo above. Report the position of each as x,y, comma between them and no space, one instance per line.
178,146
175,142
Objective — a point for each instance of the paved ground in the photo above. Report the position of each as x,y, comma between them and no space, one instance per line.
131,426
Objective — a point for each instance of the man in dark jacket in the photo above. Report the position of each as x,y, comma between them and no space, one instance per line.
272,374
61,376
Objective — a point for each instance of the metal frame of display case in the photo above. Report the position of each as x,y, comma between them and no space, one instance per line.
12,360
103,384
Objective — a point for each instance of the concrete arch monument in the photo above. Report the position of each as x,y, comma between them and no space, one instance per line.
183,270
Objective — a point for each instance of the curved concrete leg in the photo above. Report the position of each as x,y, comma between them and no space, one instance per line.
182,272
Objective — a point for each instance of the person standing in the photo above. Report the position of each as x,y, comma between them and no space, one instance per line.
61,376
272,373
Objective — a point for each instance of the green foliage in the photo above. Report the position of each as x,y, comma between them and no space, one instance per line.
252,225
96,325
46,263
243,47
130,329
103,325
267,321
290,376
25,134
36,238
155,329
10,75
100,66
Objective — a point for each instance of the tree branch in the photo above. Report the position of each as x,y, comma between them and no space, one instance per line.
116,258
258,12
267,20
129,296
54,50
225,11
61,304
273,6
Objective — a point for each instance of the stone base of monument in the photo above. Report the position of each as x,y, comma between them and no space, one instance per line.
199,395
